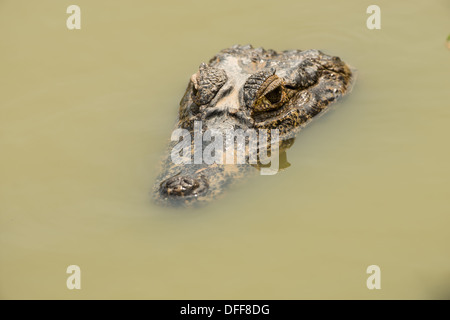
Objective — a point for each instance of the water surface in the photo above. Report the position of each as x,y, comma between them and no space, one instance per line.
85,115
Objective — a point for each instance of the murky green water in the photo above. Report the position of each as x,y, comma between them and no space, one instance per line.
85,115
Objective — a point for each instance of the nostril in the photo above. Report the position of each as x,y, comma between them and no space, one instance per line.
183,186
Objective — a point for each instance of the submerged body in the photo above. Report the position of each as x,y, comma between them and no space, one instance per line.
251,90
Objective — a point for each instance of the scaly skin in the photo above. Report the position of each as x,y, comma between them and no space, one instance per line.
246,88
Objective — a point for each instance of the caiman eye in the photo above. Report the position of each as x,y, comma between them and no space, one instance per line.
206,83
275,95
264,91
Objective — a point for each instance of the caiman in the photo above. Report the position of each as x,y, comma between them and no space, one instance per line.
244,89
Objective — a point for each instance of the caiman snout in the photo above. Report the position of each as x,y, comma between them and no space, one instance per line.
183,186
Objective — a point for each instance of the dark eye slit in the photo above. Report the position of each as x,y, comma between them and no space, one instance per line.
274,96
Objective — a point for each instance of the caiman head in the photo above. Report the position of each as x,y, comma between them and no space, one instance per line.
243,88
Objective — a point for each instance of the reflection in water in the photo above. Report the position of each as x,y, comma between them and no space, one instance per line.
283,161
